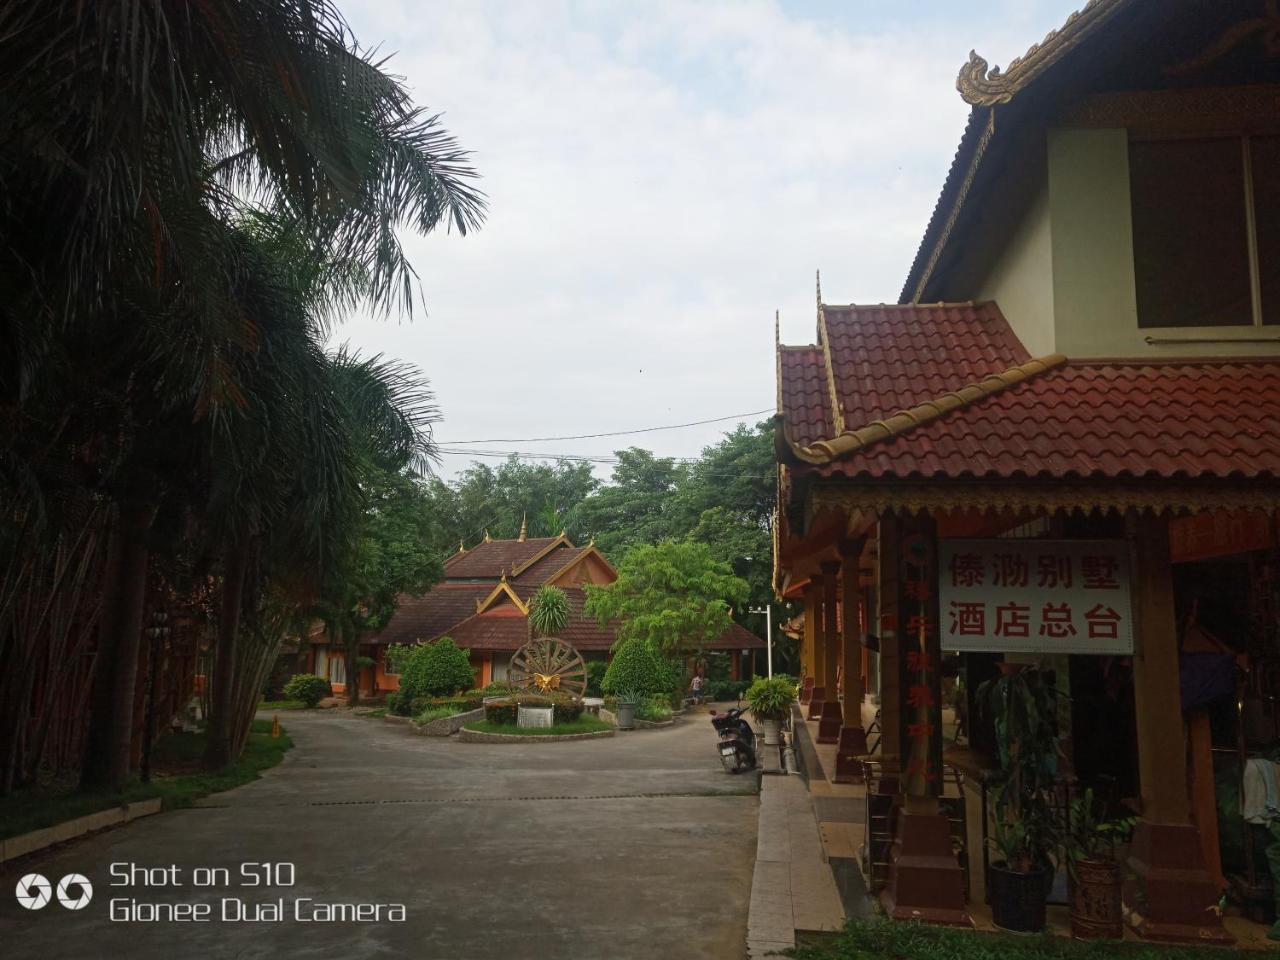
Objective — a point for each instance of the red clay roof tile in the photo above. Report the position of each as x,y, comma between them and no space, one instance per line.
1098,420
491,558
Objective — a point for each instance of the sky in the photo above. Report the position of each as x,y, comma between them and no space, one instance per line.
662,177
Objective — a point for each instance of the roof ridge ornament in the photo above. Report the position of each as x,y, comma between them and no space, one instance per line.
462,546
981,86
524,528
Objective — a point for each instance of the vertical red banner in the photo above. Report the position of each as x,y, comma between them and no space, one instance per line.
920,666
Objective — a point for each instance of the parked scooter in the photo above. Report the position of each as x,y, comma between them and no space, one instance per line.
737,741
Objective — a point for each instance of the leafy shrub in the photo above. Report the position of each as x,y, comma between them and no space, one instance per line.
771,697
497,688
393,703
308,688
433,713
467,701
566,708
655,708
637,667
726,689
595,677
501,712
434,670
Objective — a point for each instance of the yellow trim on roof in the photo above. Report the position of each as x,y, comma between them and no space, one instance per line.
561,540
502,587
850,441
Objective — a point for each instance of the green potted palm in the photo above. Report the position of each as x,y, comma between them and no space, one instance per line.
771,699
1093,870
1023,705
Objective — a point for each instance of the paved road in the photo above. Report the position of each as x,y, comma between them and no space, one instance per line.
636,846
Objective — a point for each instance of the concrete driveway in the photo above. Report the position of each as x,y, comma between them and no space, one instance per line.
633,846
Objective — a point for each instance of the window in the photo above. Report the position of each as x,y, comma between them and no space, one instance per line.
388,666
1206,231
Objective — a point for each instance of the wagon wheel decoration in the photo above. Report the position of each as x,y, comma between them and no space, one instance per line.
547,665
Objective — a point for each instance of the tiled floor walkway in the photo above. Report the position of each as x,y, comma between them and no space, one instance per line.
793,887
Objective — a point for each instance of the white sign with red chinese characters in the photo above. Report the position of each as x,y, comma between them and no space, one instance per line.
1035,596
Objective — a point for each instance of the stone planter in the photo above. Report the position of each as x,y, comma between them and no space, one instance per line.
626,715
1095,901
771,729
535,716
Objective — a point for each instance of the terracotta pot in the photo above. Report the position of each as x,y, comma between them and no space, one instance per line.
1095,901
1017,898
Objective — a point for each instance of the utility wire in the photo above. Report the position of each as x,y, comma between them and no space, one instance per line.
616,433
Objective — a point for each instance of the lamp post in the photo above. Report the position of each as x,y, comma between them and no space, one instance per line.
767,610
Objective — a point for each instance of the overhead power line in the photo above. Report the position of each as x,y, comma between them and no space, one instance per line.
615,433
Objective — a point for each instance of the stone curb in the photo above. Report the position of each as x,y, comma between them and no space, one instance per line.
448,726
396,718
475,736
26,843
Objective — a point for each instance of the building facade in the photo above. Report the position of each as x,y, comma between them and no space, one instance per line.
1062,447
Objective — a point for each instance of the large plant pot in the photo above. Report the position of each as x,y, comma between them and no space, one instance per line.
1017,899
626,715
1095,901
771,729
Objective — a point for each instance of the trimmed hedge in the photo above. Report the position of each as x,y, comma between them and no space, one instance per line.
565,709
638,667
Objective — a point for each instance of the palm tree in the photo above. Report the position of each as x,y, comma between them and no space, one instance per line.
153,154
548,611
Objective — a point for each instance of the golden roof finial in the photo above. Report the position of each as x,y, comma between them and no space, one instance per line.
487,538
504,574
817,275
564,532
462,547
524,528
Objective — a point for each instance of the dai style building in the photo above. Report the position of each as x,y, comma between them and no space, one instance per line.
483,605
1062,446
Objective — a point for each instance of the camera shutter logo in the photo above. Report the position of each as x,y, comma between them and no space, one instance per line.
72,901
33,891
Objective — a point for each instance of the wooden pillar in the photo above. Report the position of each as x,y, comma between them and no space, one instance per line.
830,718
851,642
735,664
819,697
806,644
1170,893
887,609
852,746
925,879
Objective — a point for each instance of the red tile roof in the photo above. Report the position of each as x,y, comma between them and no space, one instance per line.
503,628
885,358
491,558
1097,420
543,570
804,399
427,616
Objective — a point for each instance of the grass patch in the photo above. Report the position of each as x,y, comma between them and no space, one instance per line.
879,939
176,779
376,713
584,724
283,705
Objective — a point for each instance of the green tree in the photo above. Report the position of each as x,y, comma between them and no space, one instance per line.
634,508
676,596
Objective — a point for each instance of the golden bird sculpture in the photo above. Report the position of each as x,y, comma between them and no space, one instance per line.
546,682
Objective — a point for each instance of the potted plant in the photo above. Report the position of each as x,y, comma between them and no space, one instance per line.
1023,705
627,701
1089,844
771,699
